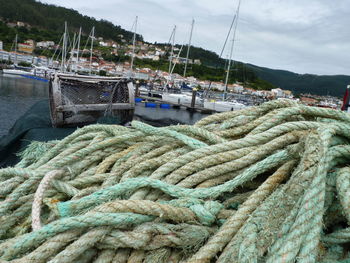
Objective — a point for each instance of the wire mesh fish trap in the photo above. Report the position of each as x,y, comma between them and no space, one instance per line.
79,100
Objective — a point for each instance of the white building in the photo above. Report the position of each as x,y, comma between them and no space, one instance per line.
20,24
278,92
103,44
1,45
204,84
218,85
191,80
178,78
259,93
15,57
4,55
141,75
237,88
119,68
45,44
22,58
41,60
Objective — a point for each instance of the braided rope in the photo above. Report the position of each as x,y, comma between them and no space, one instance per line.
38,197
265,184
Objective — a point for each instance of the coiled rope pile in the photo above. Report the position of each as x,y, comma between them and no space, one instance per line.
264,184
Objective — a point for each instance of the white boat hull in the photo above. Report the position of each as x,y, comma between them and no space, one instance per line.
222,106
16,72
178,98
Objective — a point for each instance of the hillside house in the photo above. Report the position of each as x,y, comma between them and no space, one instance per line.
237,88
308,101
26,47
45,44
278,93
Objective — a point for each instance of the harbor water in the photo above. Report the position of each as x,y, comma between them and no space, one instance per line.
18,94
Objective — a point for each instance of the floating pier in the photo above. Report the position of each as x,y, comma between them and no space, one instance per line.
152,102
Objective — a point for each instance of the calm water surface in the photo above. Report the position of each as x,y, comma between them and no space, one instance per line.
18,94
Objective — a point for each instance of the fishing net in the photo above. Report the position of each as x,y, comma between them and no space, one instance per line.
78,100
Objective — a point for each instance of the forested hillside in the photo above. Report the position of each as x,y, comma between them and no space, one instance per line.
51,17
334,85
207,57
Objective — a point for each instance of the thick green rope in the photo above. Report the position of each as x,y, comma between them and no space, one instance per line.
268,183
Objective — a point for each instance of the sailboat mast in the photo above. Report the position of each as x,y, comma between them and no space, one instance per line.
70,60
172,38
64,47
228,68
172,70
206,92
91,47
133,45
16,40
188,48
231,51
78,49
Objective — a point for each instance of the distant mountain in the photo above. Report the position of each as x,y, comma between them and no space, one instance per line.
49,19
52,18
333,85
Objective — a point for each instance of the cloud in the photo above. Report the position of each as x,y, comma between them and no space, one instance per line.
301,36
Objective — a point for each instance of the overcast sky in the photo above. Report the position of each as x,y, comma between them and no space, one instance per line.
304,36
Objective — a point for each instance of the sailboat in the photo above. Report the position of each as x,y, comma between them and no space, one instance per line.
16,70
183,97
71,65
224,105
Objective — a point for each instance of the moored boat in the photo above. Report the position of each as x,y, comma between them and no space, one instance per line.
179,98
222,106
18,72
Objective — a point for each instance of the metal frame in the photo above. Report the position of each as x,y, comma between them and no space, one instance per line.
57,108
